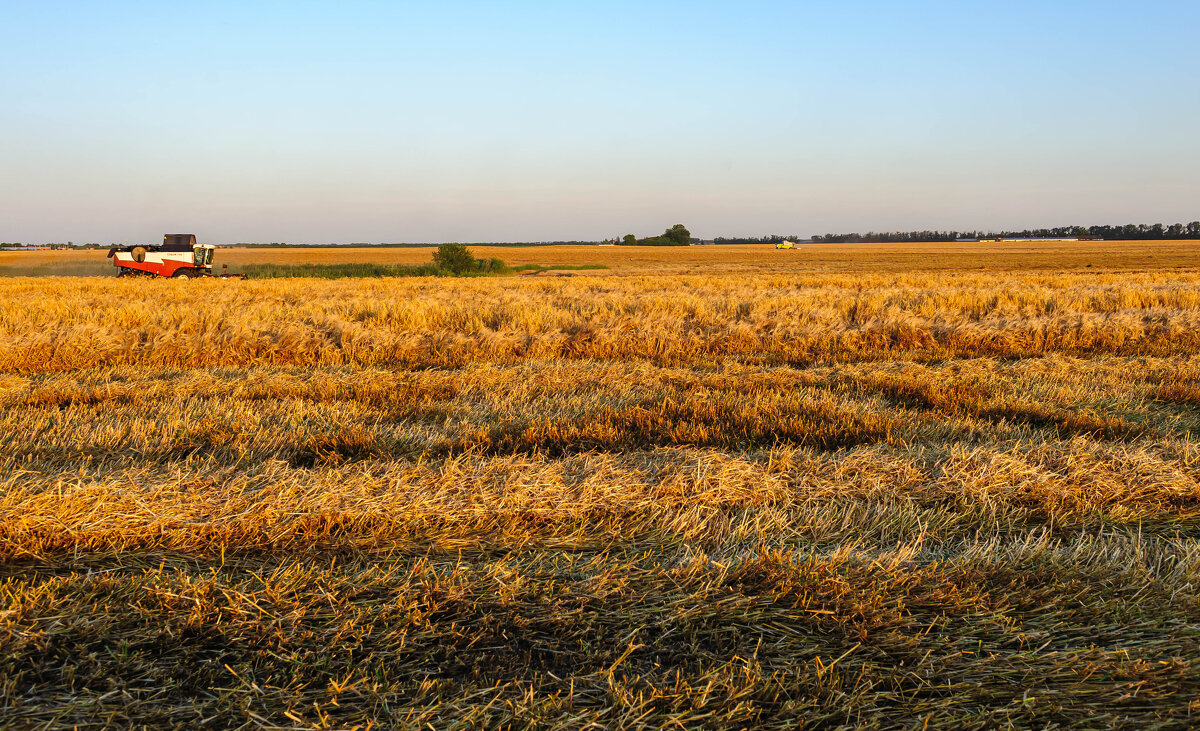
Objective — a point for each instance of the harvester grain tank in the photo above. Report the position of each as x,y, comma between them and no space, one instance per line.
179,257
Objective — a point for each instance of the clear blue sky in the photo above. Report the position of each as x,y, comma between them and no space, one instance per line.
488,121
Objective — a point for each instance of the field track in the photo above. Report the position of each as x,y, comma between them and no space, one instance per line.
831,488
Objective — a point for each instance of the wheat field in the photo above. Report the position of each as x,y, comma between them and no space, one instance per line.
760,497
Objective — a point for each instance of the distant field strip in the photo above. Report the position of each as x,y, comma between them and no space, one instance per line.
806,259
771,500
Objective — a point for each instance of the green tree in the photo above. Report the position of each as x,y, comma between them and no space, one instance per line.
453,258
629,240
678,235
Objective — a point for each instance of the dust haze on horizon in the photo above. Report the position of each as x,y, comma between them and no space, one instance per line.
377,122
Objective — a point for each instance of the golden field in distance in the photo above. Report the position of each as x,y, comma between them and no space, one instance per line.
807,257
774,493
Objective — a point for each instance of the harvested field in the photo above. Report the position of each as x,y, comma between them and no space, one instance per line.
757,498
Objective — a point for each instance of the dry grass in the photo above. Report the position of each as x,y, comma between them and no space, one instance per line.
632,501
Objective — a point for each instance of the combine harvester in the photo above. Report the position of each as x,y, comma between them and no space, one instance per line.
179,257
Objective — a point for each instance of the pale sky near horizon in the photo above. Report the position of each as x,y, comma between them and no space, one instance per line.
355,121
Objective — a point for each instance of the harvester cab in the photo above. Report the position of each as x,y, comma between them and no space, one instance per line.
179,257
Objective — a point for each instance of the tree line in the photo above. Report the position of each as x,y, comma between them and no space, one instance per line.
1127,232
772,239
677,235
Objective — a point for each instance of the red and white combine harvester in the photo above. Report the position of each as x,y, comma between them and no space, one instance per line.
179,257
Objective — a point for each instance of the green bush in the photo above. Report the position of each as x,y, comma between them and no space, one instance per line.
454,258
492,266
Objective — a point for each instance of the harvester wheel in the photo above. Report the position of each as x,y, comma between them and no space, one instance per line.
139,254
181,274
